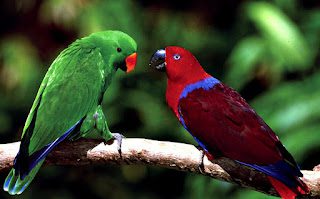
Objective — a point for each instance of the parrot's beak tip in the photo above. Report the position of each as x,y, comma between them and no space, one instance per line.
158,61
131,62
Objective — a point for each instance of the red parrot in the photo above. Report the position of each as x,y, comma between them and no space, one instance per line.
223,123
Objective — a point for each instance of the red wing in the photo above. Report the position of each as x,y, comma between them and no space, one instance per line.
222,120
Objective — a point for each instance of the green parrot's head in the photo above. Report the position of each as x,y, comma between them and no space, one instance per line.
118,49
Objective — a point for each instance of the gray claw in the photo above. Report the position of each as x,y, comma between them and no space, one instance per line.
118,137
201,164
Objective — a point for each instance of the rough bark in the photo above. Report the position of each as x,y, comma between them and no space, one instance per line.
183,157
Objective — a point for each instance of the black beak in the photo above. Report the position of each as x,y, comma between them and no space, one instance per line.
122,66
158,61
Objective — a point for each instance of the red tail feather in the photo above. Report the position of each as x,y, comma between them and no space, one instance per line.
284,191
209,156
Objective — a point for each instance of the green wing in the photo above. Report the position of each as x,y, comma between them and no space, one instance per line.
70,90
36,102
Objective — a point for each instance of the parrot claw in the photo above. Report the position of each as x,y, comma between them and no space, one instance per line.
203,153
118,137
201,164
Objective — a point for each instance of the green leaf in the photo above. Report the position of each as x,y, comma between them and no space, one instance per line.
307,138
283,36
243,59
290,105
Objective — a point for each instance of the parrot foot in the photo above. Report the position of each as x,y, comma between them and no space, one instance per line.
203,153
201,165
118,137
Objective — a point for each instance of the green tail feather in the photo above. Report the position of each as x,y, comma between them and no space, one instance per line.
14,185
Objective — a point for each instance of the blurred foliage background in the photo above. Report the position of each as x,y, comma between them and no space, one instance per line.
267,50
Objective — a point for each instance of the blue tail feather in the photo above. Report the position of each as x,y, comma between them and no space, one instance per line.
19,191
15,185
36,157
8,180
17,180
281,171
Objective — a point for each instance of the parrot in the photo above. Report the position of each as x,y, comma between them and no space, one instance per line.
68,103
223,123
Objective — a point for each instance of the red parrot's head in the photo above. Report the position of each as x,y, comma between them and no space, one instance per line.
179,64
182,69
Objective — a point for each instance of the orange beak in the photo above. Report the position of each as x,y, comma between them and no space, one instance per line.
131,62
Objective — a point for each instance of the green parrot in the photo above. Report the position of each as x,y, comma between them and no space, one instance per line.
68,103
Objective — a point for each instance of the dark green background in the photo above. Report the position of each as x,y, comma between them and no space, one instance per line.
269,52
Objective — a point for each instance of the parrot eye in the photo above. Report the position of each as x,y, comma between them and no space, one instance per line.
176,57
119,50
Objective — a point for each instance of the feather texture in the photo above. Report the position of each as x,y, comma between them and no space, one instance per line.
224,124
72,89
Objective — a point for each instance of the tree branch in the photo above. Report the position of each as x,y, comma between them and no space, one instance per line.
183,157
